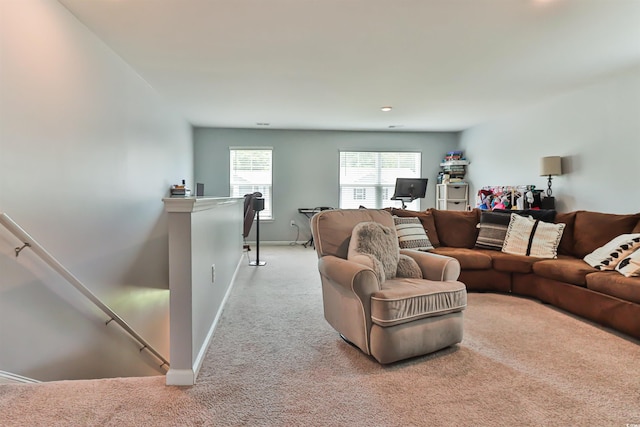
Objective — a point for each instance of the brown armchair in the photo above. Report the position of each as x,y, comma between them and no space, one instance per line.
394,320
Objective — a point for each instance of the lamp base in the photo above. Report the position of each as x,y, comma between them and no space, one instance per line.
257,263
549,192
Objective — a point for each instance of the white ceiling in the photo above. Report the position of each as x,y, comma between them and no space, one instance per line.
331,64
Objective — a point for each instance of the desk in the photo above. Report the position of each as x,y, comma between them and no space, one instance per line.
310,212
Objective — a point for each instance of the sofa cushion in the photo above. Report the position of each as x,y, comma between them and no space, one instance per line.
616,285
564,269
425,217
593,229
405,300
526,236
411,234
511,263
608,256
630,265
566,243
469,259
457,229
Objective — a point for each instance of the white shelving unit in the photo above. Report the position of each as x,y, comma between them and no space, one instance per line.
453,196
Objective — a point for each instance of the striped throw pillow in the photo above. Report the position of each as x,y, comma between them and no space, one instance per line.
493,229
411,234
526,236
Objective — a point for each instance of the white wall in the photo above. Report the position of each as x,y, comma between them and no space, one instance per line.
305,166
87,152
597,132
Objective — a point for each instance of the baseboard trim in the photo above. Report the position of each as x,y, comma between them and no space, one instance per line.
277,243
182,377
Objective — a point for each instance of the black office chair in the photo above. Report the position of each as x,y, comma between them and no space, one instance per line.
249,215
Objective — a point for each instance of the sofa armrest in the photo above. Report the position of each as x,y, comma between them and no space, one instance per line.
434,266
349,275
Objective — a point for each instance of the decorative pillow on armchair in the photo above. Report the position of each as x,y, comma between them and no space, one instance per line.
408,267
374,240
376,246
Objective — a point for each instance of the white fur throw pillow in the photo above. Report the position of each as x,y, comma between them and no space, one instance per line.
408,267
375,246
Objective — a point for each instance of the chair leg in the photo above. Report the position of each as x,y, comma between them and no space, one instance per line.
348,342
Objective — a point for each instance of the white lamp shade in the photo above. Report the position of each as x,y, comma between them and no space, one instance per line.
551,166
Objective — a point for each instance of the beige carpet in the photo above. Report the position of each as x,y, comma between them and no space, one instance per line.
275,362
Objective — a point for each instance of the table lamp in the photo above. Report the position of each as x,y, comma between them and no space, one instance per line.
550,166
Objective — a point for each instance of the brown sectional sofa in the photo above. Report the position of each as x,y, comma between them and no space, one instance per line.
605,297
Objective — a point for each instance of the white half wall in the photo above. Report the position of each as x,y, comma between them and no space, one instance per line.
87,152
597,132
205,248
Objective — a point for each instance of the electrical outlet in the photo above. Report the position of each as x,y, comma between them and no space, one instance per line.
213,273
293,223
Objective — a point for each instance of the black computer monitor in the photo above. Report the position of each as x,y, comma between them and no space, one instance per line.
409,189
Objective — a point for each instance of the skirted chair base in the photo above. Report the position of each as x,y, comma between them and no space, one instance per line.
416,338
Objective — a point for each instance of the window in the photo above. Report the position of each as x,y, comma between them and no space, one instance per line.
359,194
368,178
250,171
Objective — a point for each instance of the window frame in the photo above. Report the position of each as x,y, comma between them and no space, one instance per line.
252,186
380,186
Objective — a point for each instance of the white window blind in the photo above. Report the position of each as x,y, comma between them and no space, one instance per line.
251,171
368,178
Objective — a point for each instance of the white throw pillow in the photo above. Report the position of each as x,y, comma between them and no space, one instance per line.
630,266
609,255
526,236
411,234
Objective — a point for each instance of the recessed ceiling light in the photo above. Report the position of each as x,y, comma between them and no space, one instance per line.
387,108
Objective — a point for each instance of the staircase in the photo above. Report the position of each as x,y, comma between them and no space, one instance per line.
57,347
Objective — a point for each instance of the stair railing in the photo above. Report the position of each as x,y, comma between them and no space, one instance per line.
31,243
8,377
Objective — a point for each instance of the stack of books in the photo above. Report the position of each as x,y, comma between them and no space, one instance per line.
454,166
